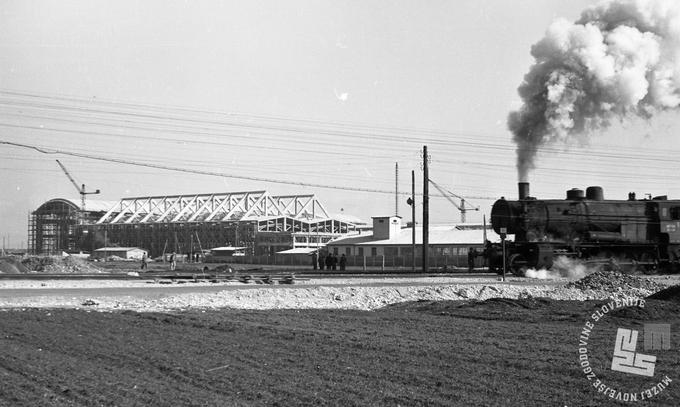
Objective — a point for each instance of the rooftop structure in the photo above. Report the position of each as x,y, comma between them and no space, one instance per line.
223,207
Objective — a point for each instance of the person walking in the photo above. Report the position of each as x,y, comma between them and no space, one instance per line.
343,261
321,261
315,260
173,263
144,260
472,253
329,261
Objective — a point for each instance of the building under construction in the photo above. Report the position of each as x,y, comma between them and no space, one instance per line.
261,223
54,227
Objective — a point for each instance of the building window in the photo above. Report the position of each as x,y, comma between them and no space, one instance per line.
335,251
348,251
374,251
391,251
360,251
675,213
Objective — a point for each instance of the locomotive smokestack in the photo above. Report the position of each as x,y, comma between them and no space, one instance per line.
523,188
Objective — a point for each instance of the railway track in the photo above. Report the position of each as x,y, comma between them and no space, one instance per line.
253,273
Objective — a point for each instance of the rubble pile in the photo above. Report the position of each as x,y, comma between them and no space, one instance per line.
11,265
614,281
58,264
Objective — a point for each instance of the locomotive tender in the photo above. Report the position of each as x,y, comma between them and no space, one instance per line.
633,234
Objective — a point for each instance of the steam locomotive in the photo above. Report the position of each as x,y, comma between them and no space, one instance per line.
630,235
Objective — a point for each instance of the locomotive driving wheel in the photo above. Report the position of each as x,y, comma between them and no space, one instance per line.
648,263
518,265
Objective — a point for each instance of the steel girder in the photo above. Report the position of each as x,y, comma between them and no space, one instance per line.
235,206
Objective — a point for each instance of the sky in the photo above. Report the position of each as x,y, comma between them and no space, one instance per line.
292,97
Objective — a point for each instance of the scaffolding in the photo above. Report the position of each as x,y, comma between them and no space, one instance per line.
53,227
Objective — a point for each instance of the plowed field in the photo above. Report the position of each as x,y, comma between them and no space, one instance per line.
497,352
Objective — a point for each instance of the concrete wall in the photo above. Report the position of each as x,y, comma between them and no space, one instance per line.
385,227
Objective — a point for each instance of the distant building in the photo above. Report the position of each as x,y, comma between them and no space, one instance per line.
261,223
390,238
123,252
228,251
53,228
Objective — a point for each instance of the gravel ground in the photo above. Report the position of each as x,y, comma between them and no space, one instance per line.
360,294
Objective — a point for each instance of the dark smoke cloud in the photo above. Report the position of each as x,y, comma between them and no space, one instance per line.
619,59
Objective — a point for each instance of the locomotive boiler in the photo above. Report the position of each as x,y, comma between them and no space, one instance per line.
633,234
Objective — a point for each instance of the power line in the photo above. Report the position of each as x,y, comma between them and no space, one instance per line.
348,130
200,172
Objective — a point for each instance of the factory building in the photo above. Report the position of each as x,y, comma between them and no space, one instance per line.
389,239
261,223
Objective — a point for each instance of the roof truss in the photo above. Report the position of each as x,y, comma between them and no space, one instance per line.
236,206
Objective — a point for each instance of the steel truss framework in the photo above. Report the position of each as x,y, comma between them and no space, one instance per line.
225,207
257,220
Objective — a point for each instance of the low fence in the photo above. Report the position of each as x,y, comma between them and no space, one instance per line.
372,262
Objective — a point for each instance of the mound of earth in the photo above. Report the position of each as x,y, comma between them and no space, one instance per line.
58,264
613,281
11,265
671,293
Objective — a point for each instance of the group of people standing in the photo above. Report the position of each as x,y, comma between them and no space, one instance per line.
330,261
172,260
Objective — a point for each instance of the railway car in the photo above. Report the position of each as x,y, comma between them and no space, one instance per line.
633,234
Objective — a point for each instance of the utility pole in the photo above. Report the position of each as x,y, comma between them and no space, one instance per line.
396,189
426,211
413,221
412,201
462,212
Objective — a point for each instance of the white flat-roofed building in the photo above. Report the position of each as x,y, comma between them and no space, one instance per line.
123,252
389,238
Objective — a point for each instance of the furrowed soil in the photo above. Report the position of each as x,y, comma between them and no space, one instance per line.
505,352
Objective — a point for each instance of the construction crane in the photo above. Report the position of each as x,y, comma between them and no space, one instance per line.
81,189
450,195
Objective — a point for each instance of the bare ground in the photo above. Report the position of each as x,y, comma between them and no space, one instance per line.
497,352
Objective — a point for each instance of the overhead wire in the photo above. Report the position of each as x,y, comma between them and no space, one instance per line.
333,132
192,171
157,120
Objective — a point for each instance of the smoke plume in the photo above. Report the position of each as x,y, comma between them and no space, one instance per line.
620,59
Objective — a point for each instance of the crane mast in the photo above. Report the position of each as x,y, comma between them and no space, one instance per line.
80,189
450,195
